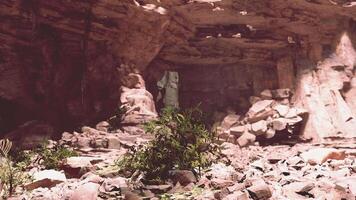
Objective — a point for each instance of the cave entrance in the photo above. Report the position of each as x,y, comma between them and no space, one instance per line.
12,115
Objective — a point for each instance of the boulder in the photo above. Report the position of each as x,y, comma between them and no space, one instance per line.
320,155
229,121
113,142
259,190
346,183
245,139
281,93
219,183
237,195
46,178
77,166
281,109
279,124
87,191
102,126
114,184
237,131
259,128
270,133
266,94
259,107
184,177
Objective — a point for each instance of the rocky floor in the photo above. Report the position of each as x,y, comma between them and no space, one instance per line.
279,171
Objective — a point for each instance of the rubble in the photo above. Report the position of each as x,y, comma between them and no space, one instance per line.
266,117
320,155
46,178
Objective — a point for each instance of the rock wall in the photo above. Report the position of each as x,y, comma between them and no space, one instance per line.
64,61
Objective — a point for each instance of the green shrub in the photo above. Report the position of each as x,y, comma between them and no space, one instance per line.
51,157
11,175
115,121
181,141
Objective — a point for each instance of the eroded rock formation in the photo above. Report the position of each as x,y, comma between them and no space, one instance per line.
64,61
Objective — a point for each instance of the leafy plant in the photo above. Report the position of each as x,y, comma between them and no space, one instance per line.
51,157
181,141
11,176
115,121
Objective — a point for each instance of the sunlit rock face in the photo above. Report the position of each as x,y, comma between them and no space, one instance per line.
64,62
327,93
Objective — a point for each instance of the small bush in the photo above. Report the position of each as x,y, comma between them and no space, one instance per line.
51,157
115,121
181,141
11,175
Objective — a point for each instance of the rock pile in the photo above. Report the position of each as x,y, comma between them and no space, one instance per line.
303,172
269,114
101,138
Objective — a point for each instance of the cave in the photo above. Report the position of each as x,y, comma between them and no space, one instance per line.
274,79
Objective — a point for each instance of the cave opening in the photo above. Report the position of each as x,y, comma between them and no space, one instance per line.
12,115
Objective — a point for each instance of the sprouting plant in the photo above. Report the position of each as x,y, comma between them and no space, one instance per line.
181,141
115,121
10,175
52,157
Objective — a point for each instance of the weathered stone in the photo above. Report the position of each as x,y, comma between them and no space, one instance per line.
158,188
260,190
83,142
237,195
87,191
237,131
114,184
259,128
77,166
229,121
184,177
30,134
113,142
259,107
266,94
102,126
279,124
245,139
46,178
300,187
281,93
346,183
270,133
320,155
281,109
219,183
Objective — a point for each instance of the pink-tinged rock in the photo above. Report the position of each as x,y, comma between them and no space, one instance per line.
281,93
245,139
77,166
88,191
260,190
237,195
46,178
229,121
320,155
237,131
259,128
279,124
346,183
266,94
270,133
281,109
259,107
184,177
219,183
102,126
